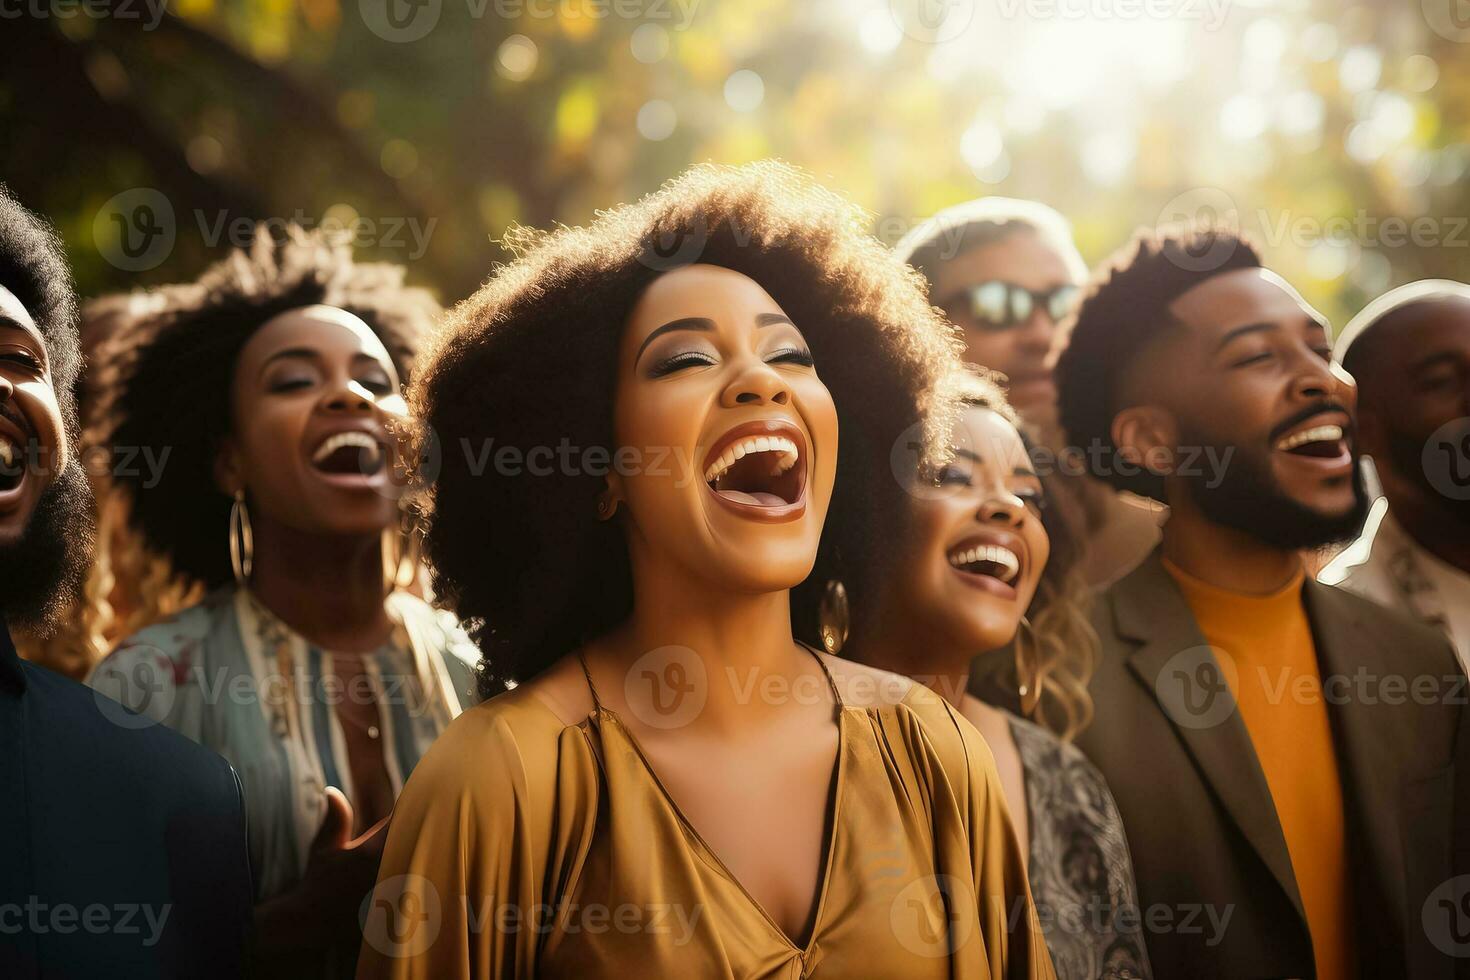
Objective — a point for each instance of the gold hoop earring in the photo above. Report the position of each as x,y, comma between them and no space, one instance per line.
403,547
242,541
1029,676
832,617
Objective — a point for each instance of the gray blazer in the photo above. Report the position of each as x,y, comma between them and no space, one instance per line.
1211,863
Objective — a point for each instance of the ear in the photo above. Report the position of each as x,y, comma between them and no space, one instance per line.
229,476
611,496
1146,436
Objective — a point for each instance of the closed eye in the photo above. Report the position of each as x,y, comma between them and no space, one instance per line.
679,362
22,358
1254,359
792,355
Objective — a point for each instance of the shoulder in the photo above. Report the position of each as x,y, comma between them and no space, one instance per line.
1042,751
510,755
173,640
1411,642
118,747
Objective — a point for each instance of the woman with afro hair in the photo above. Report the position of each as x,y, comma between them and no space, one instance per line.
639,423
249,422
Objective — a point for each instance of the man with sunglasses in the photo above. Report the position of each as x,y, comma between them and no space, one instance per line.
1008,274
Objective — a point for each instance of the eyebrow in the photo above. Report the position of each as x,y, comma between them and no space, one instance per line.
1433,360
704,325
1239,332
10,322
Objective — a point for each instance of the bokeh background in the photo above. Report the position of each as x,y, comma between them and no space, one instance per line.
154,131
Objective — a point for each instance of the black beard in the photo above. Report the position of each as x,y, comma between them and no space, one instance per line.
43,573
1249,499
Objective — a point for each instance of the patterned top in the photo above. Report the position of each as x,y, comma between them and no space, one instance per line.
213,673
1080,872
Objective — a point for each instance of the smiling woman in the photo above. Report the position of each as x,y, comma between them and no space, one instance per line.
268,392
670,745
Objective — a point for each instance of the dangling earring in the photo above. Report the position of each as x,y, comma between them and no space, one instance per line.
403,546
833,617
1029,676
242,541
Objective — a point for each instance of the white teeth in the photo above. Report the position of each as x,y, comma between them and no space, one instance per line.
333,443
1318,433
1004,557
747,447
7,453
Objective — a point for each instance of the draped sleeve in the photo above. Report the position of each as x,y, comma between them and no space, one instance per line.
975,842
489,834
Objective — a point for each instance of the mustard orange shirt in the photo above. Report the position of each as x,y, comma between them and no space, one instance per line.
1278,689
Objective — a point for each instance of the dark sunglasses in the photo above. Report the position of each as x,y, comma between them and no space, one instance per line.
998,305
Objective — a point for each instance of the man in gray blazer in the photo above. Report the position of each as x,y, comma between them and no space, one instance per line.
1292,762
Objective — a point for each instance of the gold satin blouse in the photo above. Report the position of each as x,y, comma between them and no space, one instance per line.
525,847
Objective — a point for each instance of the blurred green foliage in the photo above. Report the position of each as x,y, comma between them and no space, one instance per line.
1336,133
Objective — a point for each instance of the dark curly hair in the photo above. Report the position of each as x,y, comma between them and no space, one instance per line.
166,376
33,267
530,360
1126,307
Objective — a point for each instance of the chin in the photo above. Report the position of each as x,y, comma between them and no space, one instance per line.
760,571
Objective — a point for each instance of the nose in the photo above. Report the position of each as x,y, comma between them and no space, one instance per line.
756,383
1002,507
1037,332
1319,380
350,397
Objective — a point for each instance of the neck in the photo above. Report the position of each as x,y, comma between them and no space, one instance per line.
741,639
1225,557
916,650
328,588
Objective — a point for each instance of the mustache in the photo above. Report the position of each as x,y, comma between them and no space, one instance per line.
1311,412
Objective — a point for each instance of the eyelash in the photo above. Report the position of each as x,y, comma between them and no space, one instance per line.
790,355
22,358
1032,497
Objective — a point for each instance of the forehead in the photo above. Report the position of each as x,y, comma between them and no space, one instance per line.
14,311
324,329
1238,298
1021,256
708,291
988,435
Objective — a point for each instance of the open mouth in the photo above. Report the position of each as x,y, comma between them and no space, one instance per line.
988,560
12,465
350,454
1322,441
759,468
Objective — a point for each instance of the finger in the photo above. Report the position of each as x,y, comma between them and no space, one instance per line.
336,829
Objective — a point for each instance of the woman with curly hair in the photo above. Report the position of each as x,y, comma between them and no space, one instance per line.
918,582
640,424
249,423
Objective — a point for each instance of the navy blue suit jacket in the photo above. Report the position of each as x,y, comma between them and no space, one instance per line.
122,843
